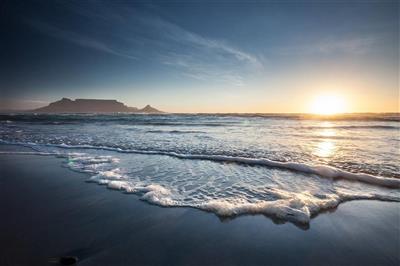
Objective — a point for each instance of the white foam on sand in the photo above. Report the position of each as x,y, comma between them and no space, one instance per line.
159,195
152,193
115,179
292,207
119,185
295,206
114,174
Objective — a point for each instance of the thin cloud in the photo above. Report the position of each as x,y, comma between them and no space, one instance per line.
203,58
181,35
354,45
359,45
75,38
203,71
141,36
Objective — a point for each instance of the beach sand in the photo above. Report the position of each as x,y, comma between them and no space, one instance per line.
49,211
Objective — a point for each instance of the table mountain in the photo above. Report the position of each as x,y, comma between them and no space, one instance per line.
66,105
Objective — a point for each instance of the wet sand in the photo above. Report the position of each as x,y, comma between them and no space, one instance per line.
49,211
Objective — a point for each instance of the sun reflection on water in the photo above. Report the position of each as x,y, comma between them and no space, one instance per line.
326,147
328,132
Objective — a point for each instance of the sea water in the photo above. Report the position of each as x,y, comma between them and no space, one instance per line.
289,167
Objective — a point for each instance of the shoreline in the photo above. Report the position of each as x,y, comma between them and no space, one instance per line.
60,215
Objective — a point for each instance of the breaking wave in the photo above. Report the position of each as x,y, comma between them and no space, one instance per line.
353,127
320,170
176,131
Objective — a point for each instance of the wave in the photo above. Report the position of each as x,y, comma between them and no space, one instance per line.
187,119
394,117
176,131
320,170
28,153
296,207
132,119
351,127
333,137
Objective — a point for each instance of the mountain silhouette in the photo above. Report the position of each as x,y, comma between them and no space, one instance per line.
66,105
149,109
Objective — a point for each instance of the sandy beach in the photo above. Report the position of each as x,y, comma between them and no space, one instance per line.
62,215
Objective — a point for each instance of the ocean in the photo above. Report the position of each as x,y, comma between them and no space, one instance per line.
289,167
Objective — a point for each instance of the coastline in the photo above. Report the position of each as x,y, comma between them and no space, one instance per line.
60,215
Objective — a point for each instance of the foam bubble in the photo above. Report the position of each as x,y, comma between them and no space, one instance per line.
158,195
119,185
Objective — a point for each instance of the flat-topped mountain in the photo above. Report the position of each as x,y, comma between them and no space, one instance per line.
66,105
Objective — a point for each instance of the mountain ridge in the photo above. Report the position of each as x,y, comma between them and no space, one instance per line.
66,105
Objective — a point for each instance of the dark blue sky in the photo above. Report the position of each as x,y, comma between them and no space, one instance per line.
201,56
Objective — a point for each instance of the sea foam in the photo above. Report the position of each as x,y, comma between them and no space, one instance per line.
296,207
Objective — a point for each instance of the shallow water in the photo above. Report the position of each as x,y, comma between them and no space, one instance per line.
288,167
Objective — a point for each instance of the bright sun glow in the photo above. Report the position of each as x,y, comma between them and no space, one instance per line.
328,105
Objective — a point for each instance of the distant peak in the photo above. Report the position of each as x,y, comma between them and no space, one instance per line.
149,109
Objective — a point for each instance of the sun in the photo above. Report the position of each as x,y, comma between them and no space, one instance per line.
328,104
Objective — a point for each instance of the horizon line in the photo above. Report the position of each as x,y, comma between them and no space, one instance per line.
220,113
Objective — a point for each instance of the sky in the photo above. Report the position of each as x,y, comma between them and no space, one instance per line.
199,56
